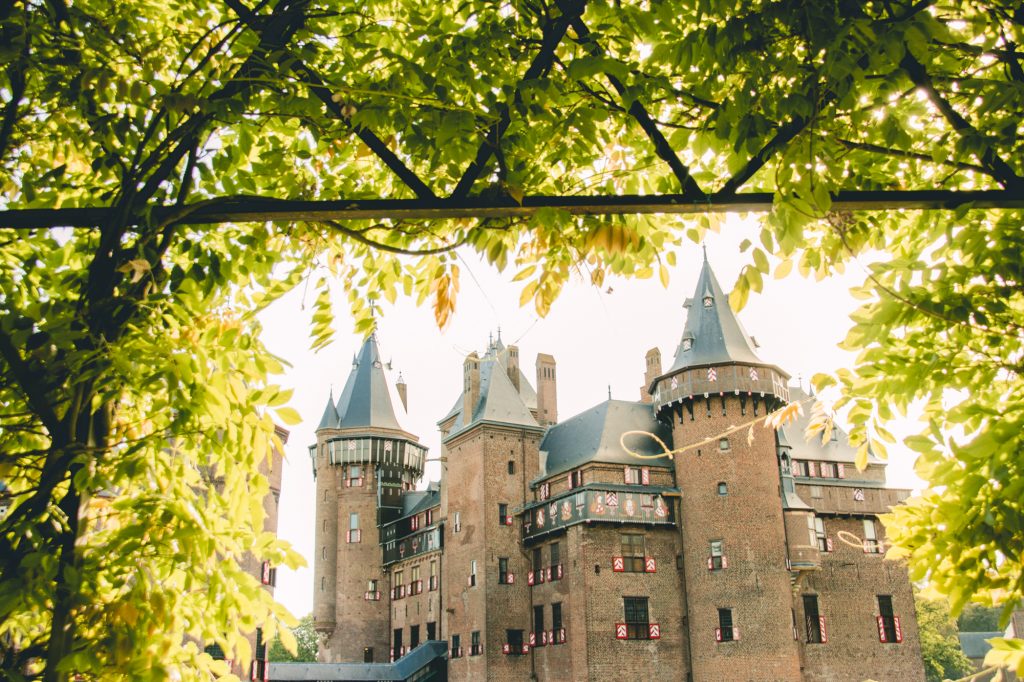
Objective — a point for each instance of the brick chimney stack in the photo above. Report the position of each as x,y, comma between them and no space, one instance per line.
547,394
470,387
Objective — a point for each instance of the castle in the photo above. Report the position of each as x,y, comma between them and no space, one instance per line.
549,552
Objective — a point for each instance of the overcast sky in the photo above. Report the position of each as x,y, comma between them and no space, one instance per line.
597,336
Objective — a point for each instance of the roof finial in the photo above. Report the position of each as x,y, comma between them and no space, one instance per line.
609,391
490,339
499,333
704,245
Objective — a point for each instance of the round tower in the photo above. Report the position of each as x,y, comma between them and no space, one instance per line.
364,461
738,589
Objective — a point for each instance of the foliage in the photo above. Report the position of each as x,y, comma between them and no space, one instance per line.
306,640
129,359
940,646
978,618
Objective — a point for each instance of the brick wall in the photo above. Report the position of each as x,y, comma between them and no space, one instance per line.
748,521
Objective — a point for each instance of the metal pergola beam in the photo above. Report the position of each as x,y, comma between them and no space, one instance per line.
261,209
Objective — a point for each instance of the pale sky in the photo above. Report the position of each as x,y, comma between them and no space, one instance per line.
597,336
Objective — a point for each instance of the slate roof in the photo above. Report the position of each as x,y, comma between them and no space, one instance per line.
365,401
330,419
594,436
836,450
715,333
415,501
499,400
974,644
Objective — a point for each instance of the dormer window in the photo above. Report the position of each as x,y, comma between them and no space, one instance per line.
687,344
708,301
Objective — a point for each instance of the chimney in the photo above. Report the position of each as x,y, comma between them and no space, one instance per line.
651,372
512,365
547,395
470,387
402,391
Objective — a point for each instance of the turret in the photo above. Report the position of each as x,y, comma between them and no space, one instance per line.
734,533
547,391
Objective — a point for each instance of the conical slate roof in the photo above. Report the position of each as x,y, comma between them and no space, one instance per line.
365,401
713,334
330,419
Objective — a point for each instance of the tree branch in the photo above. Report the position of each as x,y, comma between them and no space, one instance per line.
553,32
662,148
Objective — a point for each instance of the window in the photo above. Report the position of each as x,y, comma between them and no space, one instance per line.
888,623
260,662
828,470
799,468
323,552
538,560
556,617
430,516
503,570
433,575
511,467
708,301
475,648
503,518
821,541
367,654
632,475
472,573
415,584
398,591
723,444
726,630
355,475
556,554
717,559
323,583
456,647
397,644
431,631
545,491
514,642
371,585
457,523
354,534
575,479
632,552
870,540
538,623
414,636
812,619
723,488
637,619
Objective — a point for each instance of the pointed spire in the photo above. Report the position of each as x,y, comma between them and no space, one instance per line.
713,334
366,401
330,418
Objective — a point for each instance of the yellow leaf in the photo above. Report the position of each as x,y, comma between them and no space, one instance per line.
528,291
288,415
784,268
862,457
663,274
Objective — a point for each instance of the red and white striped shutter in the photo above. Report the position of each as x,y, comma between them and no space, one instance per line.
725,561
266,669
626,476
711,563
469,580
348,536
621,632
529,577
645,476
508,520
824,630
618,564
511,579
718,634
650,565
735,633
653,631
561,636
506,648
533,639
881,629
828,544
559,571
391,654
547,574
812,468
265,573
899,630
842,470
